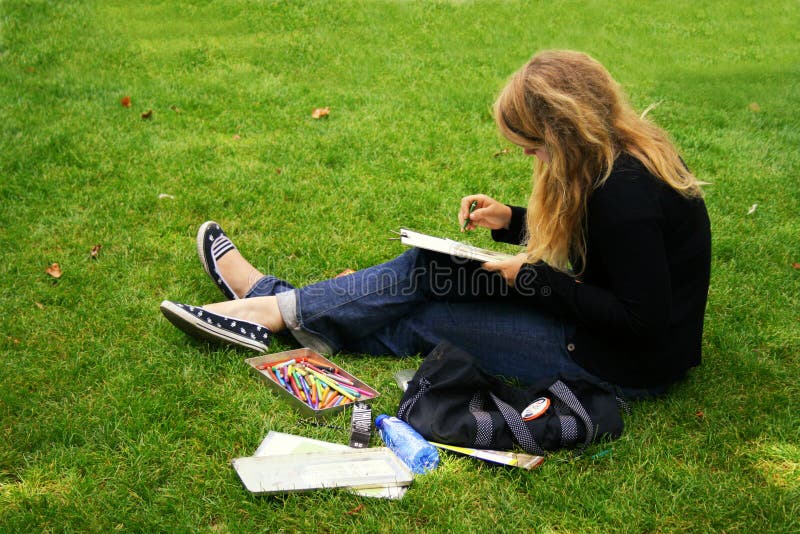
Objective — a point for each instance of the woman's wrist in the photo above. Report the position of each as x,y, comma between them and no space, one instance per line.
508,215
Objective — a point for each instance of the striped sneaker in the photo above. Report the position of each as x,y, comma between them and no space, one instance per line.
203,324
212,244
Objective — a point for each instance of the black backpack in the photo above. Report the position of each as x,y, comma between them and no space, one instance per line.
452,400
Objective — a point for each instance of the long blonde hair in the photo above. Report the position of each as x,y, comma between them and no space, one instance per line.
567,103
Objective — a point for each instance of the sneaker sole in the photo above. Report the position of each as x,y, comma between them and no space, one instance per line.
196,327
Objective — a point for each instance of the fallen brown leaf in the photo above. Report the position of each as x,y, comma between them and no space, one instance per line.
54,270
95,250
344,273
278,170
174,108
502,152
356,509
39,305
796,265
320,112
754,107
699,414
14,340
125,101
147,115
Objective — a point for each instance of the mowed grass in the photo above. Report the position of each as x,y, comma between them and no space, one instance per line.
111,419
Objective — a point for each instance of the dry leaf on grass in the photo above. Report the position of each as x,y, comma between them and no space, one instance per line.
54,270
752,209
796,265
344,273
95,251
125,101
320,112
356,509
236,137
147,115
175,108
754,107
502,152
39,305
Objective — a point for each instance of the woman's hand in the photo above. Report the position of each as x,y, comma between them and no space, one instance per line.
508,268
488,213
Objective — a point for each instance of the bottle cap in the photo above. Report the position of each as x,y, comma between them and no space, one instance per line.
380,418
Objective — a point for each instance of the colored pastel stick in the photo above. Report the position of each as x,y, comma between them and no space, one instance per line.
283,363
337,387
363,392
301,394
320,389
279,377
299,383
331,399
305,389
316,368
313,387
328,393
340,378
294,387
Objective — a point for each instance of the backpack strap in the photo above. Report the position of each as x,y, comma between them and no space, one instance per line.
518,427
484,426
562,391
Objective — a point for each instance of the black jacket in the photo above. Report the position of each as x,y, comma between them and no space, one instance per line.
640,300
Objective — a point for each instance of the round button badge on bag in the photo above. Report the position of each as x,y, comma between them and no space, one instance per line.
535,409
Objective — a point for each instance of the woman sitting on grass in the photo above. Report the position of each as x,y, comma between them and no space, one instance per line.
613,283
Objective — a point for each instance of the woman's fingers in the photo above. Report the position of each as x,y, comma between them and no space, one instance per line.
481,203
507,268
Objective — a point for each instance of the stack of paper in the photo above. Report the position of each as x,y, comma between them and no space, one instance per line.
284,462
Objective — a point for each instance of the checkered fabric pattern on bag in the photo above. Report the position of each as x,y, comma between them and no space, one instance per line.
402,411
483,421
569,430
518,427
565,394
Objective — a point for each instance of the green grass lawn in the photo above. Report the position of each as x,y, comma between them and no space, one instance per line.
112,419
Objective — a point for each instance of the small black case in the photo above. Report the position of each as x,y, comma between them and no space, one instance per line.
360,425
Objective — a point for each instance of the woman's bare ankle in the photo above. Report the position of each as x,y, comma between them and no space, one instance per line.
238,273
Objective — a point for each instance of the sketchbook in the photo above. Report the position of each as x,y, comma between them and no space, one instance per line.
448,246
375,467
278,443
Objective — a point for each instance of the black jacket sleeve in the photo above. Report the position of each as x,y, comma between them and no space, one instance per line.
516,231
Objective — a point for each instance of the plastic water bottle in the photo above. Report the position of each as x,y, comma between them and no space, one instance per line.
415,451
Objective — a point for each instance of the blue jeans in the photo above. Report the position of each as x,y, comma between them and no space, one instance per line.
410,304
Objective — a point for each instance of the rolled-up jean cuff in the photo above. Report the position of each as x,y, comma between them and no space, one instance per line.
287,305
